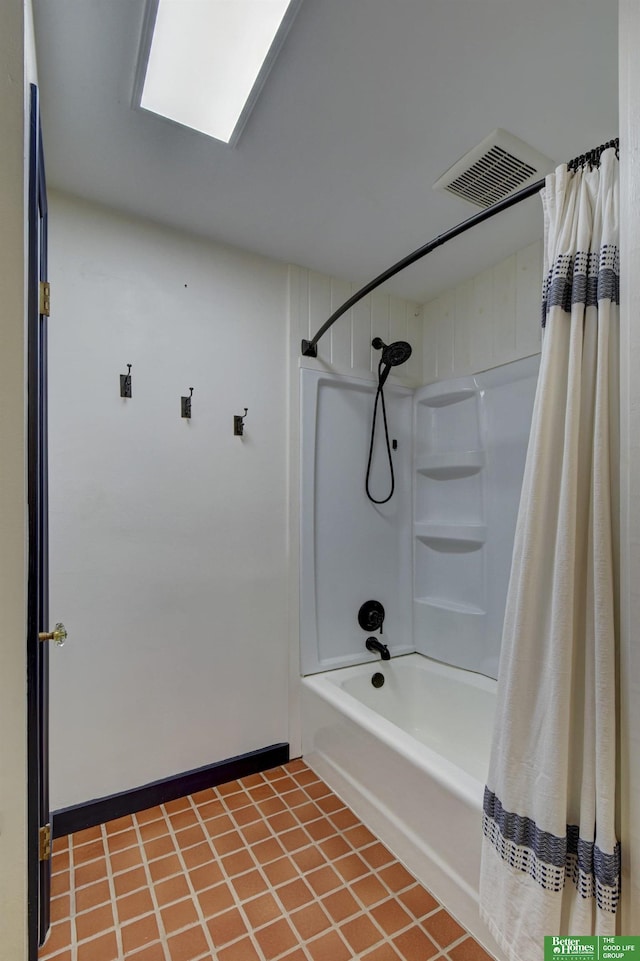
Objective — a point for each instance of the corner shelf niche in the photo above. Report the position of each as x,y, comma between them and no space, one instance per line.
449,529
444,398
455,607
451,465
453,538
469,454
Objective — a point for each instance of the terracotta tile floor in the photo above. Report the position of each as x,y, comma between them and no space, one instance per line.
273,867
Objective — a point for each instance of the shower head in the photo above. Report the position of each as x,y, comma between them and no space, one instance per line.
392,356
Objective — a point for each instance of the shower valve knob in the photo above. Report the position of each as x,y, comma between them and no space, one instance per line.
371,616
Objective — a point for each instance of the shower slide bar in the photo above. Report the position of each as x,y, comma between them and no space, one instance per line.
591,159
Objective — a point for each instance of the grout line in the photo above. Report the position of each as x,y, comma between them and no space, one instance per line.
272,889
454,944
194,896
72,902
112,892
458,941
365,910
151,889
230,888
317,899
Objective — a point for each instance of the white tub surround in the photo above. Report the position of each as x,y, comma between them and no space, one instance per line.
352,550
470,445
458,479
410,758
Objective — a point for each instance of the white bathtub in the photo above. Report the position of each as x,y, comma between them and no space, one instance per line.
411,759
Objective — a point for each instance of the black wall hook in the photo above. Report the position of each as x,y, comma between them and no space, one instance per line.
125,383
185,405
238,423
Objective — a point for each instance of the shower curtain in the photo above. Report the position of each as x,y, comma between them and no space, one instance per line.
550,858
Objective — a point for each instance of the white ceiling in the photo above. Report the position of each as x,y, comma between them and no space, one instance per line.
368,103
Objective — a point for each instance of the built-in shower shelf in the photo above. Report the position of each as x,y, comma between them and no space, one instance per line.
445,605
451,538
448,397
449,465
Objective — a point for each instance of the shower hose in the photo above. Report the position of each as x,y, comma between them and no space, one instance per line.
380,396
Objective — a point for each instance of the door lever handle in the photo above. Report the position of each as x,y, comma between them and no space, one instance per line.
58,635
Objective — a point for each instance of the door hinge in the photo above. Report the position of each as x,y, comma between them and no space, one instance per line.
45,297
45,843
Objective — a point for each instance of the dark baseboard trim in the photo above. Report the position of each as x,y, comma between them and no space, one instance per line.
87,815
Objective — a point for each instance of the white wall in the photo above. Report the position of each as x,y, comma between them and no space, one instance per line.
629,17
346,347
168,537
17,69
490,319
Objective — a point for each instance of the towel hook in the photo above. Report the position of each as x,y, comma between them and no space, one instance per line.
125,383
238,423
185,405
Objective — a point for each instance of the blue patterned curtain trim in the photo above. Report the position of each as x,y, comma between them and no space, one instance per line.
550,859
582,278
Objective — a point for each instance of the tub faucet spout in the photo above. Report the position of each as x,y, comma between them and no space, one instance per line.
376,647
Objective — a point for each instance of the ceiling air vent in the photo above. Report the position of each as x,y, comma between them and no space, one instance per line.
494,169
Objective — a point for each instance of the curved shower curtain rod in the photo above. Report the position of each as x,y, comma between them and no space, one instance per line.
591,158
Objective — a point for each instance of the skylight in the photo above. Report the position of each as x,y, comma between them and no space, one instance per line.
208,59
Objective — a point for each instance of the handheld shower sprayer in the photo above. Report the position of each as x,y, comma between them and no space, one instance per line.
392,355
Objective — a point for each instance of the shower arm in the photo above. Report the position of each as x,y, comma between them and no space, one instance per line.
591,158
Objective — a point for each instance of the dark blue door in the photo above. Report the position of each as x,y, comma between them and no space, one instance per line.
39,871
